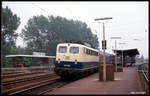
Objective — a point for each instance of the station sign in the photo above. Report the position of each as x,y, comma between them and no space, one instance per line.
39,53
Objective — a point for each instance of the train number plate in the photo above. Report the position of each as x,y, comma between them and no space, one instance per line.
67,57
67,65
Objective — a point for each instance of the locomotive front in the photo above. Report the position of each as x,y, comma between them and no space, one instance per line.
67,59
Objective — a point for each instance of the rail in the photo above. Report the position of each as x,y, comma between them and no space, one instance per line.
146,78
27,89
144,68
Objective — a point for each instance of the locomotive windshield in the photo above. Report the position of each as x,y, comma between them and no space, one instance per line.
62,49
74,50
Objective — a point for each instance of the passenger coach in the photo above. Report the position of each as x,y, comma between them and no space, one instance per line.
73,59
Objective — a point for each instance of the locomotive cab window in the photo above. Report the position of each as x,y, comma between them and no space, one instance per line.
62,49
74,50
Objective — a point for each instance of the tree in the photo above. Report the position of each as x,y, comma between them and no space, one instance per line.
10,23
43,34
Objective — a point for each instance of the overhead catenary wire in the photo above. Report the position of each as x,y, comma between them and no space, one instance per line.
41,9
122,26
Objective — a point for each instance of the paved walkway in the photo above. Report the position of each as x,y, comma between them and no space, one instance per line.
125,82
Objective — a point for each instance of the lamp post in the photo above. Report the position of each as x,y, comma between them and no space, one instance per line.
122,54
115,50
104,47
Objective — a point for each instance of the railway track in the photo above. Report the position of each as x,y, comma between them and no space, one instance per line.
25,78
42,88
13,81
144,77
31,83
9,88
18,74
39,87
143,68
10,71
15,72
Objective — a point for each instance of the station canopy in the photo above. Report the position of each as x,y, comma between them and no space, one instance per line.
29,56
129,52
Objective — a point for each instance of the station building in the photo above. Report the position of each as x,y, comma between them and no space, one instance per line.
30,60
128,56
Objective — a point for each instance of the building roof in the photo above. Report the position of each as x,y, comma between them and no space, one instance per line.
129,52
29,56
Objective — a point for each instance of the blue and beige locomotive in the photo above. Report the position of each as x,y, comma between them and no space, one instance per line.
76,59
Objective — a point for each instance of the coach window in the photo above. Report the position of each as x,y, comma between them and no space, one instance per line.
74,50
62,49
86,51
96,53
91,52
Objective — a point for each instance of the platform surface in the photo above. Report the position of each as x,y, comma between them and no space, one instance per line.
125,82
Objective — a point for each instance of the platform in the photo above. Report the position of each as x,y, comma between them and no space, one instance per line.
125,82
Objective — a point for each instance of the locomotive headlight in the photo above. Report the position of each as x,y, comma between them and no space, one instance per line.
75,62
58,60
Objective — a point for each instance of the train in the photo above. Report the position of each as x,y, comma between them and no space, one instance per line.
76,59
110,58
79,59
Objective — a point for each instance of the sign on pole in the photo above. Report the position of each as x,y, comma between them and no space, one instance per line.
103,44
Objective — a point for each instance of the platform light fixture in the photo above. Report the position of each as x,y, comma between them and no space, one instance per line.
104,46
122,53
115,50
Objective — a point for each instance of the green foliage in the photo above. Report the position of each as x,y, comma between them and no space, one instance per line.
43,34
9,63
35,62
13,51
27,62
10,23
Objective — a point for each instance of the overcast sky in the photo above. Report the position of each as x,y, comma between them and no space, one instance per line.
130,20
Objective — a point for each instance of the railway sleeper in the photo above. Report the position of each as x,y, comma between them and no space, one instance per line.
8,91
